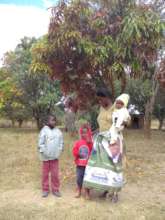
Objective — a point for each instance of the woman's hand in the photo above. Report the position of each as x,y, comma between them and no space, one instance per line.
95,131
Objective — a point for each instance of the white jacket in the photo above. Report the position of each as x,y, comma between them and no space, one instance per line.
50,143
119,116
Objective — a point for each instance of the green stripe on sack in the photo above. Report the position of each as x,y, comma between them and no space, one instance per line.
99,187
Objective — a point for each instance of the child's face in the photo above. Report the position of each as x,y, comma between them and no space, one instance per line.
84,134
115,149
51,122
85,126
119,104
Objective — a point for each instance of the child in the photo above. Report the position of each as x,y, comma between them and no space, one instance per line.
81,152
50,146
89,133
120,117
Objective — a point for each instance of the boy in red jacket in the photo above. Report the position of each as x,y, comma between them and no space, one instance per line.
81,152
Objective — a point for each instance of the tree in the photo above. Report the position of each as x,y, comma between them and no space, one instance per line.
94,43
159,108
40,95
10,105
140,93
161,73
37,93
90,46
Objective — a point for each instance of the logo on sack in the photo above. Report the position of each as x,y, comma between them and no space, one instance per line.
101,177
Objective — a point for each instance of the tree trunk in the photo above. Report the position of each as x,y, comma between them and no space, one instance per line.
109,82
160,123
20,122
13,123
39,124
148,117
149,108
123,83
37,117
150,104
112,86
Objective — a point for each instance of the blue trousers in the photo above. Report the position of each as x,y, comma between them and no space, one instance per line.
80,171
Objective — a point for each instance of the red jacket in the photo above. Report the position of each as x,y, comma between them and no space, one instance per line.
81,152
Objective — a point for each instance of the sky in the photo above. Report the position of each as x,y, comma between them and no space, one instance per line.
22,18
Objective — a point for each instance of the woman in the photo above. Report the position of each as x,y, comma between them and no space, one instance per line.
106,109
102,173
104,118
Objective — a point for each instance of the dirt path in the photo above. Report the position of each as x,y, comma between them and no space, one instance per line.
137,201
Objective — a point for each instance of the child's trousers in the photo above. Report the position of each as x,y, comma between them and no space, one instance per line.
80,171
52,167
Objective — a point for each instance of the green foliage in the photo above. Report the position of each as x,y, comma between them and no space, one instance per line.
87,44
140,92
24,95
88,117
10,105
40,95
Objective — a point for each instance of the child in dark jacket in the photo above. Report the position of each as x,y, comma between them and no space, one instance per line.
81,152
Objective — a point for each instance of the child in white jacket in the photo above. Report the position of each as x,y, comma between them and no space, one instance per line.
120,117
50,146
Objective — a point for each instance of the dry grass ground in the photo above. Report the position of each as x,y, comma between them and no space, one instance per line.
143,197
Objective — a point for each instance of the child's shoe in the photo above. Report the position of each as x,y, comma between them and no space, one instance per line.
45,194
57,194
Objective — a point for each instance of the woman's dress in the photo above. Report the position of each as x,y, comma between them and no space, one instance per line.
101,172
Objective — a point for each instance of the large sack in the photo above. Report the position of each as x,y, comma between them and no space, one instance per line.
101,172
